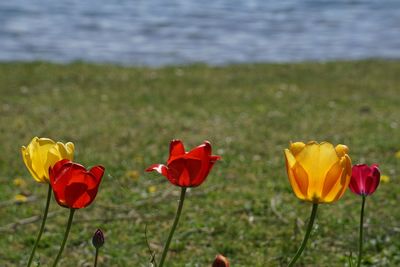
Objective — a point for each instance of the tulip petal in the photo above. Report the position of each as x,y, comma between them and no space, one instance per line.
176,149
296,147
160,168
372,181
301,179
196,170
176,172
346,176
341,150
28,164
290,162
332,182
317,160
97,172
75,195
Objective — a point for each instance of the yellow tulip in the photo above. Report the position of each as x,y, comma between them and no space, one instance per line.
43,153
319,173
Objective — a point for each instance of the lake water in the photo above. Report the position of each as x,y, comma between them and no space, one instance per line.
159,32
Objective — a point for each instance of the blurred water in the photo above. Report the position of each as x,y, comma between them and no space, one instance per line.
158,32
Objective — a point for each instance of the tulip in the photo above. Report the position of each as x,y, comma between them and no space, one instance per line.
43,153
74,187
220,261
40,155
98,242
364,181
318,173
184,169
98,239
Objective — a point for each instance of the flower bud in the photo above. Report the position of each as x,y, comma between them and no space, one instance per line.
98,239
220,261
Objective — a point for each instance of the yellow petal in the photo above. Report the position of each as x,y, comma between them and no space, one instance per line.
43,153
302,180
317,159
332,185
299,186
339,178
296,147
346,176
28,163
341,150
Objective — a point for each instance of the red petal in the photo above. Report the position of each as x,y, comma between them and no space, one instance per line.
201,151
76,196
97,172
160,168
176,149
176,172
61,175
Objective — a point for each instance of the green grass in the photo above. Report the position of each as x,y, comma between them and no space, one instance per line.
124,119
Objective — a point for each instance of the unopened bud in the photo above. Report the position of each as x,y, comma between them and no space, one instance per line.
98,239
220,261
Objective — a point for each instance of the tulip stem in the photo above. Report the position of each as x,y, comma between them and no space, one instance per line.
360,241
95,257
307,235
46,210
171,233
71,216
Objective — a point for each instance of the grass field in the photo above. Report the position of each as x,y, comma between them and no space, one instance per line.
124,118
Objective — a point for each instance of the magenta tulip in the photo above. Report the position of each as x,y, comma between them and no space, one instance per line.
364,179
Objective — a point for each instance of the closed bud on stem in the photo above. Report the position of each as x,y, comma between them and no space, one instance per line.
98,239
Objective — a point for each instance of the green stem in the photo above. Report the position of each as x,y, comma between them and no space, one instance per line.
95,257
71,216
307,235
171,233
360,241
46,210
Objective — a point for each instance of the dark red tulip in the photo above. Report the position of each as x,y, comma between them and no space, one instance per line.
186,169
220,261
73,186
364,179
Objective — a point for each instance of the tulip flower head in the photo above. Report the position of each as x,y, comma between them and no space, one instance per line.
364,179
220,261
73,186
98,239
318,172
43,153
186,169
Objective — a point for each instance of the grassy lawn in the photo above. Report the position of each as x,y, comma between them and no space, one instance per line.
124,119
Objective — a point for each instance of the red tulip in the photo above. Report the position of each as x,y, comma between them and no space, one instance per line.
220,261
364,179
186,169
73,186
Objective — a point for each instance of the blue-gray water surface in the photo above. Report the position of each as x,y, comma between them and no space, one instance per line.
159,32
